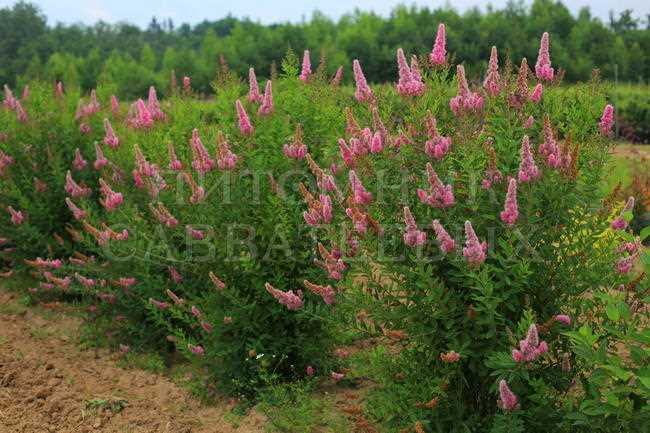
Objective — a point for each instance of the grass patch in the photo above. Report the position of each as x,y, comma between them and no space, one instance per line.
113,404
151,362
296,408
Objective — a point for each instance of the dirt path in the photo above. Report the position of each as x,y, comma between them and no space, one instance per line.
47,384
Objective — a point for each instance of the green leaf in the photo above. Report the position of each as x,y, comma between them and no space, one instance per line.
618,372
613,313
644,233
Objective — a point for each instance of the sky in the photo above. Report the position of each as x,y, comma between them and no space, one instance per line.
140,12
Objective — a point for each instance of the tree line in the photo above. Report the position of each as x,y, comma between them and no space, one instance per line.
133,58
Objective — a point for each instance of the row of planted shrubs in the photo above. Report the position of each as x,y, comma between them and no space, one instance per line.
245,230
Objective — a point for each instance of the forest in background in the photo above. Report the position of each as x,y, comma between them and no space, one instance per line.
132,58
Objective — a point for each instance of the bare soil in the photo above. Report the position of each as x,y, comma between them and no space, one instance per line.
48,384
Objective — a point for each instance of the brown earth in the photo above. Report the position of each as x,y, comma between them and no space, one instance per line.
48,384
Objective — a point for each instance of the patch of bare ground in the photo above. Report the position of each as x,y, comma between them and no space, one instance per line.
48,384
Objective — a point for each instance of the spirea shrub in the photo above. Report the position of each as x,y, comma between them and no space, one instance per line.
461,220
475,237
38,138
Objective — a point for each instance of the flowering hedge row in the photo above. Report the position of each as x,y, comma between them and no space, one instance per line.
467,226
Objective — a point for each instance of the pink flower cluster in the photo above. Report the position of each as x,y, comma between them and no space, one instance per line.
438,55
412,237
607,120
410,82
174,163
338,76
475,251
530,348
439,195
73,188
331,262
507,399
363,93
543,68
5,161
163,215
202,161
110,139
266,108
253,88
87,110
111,200
510,211
245,126
79,163
297,149
319,210
625,264
306,67
139,116
466,101
153,105
293,301
226,159
536,94
437,145
326,292
359,194
620,223
77,213
446,242
492,84
528,170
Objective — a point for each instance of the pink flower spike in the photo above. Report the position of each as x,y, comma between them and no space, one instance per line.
253,88
507,399
110,139
543,68
196,350
363,93
360,194
474,251
438,55
79,163
447,244
409,84
528,170
115,106
101,160
111,199
306,67
563,318
338,76
266,109
466,102
536,94
510,212
77,213
607,120
174,163
245,126
17,217
439,196
529,122
174,275
620,223
337,376
289,299
154,106
412,237
492,80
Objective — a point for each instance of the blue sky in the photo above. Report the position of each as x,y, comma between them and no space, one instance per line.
140,11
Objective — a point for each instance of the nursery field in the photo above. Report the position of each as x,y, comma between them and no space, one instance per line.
443,253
